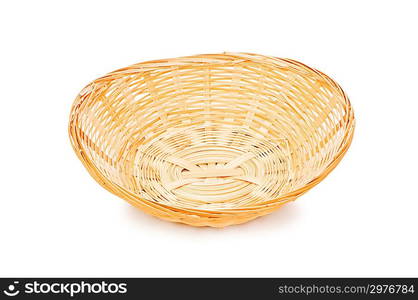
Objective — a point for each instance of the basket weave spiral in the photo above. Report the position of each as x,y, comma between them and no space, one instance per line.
211,140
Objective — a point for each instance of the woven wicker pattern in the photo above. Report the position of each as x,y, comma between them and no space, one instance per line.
211,140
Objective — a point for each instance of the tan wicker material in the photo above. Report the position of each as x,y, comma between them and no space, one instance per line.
211,140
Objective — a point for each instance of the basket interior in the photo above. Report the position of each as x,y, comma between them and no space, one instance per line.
215,133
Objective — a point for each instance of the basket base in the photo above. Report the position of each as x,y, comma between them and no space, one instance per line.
211,168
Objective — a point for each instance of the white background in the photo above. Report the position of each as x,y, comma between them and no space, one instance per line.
55,220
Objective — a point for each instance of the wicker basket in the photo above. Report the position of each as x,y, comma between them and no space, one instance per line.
211,140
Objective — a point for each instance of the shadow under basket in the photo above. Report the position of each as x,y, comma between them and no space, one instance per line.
211,140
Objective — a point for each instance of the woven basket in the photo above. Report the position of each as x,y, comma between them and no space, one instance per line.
211,140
